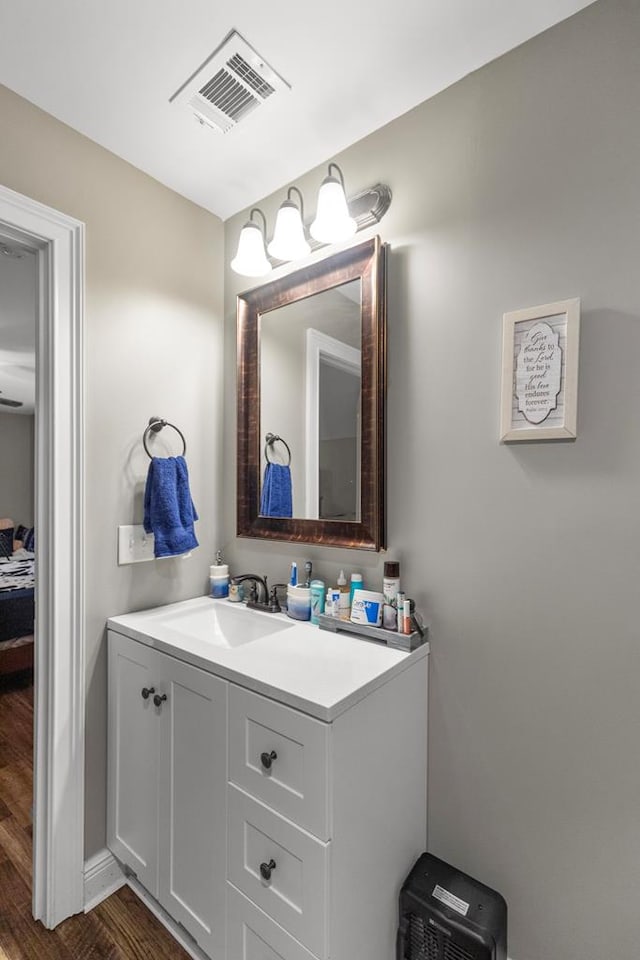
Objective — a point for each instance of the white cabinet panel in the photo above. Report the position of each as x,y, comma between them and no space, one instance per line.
192,839
296,781
133,758
252,935
295,893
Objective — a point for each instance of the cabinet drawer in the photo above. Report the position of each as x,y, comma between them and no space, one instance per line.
254,936
295,893
295,783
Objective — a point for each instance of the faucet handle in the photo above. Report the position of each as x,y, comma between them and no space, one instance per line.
274,603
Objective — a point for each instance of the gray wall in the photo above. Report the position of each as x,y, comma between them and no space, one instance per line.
153,331
16,474
518,186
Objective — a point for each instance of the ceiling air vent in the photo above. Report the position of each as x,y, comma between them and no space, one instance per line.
229,85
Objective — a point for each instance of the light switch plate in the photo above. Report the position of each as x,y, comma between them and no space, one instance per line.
134,545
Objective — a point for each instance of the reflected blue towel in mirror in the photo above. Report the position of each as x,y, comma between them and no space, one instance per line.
169,512
276,500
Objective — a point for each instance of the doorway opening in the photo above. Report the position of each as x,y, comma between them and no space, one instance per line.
56,243
18,300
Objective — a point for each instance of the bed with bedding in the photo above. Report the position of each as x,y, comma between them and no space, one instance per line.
17,606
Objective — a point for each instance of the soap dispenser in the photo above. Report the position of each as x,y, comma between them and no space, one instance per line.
219,578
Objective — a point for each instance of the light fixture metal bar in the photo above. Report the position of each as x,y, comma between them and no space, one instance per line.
370,205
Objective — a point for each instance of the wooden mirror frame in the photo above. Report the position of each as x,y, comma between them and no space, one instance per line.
367,262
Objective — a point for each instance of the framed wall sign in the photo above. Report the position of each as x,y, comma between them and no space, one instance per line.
540,372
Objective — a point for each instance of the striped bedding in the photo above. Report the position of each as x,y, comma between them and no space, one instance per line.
16,595
16,572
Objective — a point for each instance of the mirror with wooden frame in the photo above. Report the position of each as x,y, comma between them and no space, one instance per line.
311,403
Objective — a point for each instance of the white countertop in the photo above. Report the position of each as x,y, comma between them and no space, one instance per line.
313,670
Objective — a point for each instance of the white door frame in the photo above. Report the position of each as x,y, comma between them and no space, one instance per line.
58,863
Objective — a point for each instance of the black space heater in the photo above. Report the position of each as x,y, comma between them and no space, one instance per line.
447,915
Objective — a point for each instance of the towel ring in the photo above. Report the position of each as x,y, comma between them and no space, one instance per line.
155,426
270,439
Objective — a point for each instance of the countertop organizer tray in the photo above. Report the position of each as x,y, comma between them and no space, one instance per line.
400,641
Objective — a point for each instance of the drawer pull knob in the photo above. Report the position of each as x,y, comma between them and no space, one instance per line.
267,759
147,691
266,868
158,700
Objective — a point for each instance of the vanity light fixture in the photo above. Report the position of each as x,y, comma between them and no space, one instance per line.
251,258
289,241
336,220
333,222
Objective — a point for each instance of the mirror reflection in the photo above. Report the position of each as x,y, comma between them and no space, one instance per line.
310,404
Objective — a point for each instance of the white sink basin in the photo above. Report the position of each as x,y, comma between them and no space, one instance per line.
225,625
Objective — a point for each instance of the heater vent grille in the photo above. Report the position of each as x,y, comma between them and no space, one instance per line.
425,942
453,951
233,82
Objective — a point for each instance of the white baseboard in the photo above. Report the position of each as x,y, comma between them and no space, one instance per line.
102,876
175,929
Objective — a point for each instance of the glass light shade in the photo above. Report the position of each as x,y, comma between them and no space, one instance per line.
251,259
289,241
333,221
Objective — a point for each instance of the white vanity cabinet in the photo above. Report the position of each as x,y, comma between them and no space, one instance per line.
341,812
270,832
166,783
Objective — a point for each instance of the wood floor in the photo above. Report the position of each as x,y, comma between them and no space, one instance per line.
121,927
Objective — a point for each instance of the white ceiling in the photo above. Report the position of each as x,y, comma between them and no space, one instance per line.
109,69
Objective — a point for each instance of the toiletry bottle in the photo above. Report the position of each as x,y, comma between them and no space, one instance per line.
400,612
356,584
328,604
390,589
219,578
235,591
335,601
407,616
317,600
345,605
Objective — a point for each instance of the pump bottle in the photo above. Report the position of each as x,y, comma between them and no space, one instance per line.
345,604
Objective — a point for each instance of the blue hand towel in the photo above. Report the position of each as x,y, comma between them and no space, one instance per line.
169,512
276,500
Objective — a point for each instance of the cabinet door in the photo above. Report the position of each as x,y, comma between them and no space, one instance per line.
192,816
134,737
